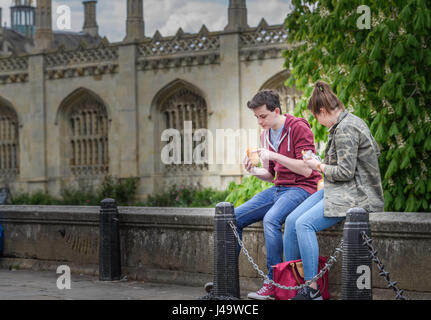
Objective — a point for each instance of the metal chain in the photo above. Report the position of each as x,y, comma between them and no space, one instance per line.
332,259
380,266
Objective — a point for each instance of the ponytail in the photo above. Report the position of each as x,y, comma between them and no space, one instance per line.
323,97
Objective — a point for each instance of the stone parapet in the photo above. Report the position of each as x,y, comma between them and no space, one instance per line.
176,244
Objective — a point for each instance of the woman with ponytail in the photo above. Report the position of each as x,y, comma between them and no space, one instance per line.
352,179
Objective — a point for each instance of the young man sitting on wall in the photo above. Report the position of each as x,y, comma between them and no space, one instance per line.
283,139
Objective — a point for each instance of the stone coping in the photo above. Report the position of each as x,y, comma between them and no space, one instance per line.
403,224
389,221
402,239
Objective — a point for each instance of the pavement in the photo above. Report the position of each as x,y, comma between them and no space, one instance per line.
42,285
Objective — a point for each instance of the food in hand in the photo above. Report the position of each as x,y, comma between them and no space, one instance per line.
306,155
253,156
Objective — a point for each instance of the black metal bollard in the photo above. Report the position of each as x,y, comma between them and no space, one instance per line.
109,246
356,273
226,270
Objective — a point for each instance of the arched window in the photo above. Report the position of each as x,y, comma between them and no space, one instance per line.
185,105
289,97
86,135
9,143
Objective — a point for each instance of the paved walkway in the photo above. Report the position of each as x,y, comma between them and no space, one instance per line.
36,285
42,285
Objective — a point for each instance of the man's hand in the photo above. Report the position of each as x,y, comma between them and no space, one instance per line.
247,164
260,173
266,155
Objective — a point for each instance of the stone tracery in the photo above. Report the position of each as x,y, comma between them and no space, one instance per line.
9,143
88,137
185,105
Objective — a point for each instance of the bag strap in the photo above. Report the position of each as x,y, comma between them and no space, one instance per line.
295,274
300,268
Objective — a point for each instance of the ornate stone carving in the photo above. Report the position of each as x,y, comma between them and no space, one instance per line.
183,106
88,137
83,56
13,64
9,144
263,42
83,62
179,50
180,43
160,52
13,69
263,35
178,61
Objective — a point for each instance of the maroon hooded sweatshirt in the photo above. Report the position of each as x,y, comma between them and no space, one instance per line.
295,137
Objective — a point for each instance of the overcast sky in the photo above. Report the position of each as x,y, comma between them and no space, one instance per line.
165,15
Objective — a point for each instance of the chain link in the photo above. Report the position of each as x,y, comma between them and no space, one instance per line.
332,259
380,266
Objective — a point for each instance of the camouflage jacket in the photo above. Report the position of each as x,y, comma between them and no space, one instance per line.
352,174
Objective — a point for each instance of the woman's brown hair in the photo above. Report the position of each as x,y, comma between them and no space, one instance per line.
324,97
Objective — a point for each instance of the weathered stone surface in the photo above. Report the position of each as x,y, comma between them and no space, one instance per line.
129,82
176,244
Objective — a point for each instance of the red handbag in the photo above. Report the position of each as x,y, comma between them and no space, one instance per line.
291,274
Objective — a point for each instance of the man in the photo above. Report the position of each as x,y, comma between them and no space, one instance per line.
282,141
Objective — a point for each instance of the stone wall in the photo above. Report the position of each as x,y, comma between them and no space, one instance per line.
130,82
175,245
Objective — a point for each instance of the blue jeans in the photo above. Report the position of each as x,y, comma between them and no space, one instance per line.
272,206
300,240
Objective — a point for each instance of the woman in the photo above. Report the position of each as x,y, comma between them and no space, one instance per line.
352,179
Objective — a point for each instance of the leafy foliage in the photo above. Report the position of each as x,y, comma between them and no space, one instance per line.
186,196
36,198
123,191
382,74
250,186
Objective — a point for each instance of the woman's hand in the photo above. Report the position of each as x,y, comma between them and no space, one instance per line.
312,163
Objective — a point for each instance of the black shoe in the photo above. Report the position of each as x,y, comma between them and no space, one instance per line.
308,293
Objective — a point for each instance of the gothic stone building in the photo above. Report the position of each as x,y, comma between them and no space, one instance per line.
75,108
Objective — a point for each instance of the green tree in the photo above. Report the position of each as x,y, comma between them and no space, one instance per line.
382,74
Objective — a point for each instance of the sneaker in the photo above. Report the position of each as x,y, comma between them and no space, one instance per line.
264,293
308,293
209,286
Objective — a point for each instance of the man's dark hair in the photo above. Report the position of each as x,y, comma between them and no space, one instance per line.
270,98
